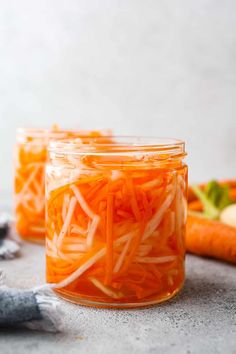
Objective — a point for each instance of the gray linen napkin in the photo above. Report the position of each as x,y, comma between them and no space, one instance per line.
9,242
36,309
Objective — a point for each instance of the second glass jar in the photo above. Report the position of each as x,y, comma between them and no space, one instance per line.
29,183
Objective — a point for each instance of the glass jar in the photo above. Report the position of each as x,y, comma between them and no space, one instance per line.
29,181
115,219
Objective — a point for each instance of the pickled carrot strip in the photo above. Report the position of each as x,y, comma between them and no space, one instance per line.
38,229
124,214
158,260
92,229
106,290
66,224
95,189
109,239
82,202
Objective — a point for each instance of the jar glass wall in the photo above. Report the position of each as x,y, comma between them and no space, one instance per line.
115,218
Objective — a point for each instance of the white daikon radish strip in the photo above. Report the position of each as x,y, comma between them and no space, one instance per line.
52,251
106,290
32,165
92,230
51,254
81,269
39,203
75,229
144,250
29,180
125,237
75,247
82,202
37,187
42,182
74,256
50,246
26,206
66,224
65,257
74,175
54,240
122,256
66,203
115,174
157,218
121,229
89,263
157,260
181,180
171,223
152,184
74,240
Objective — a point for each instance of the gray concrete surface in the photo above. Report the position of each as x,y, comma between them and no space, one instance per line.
201,320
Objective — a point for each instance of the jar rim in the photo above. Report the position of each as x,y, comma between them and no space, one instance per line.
119,145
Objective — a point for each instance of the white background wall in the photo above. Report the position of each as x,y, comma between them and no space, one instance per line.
150,67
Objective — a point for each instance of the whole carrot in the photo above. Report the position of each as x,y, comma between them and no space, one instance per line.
211,238
195,205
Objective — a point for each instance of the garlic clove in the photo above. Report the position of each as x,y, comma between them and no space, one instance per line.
228,215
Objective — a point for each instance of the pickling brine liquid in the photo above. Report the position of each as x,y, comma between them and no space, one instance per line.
29,182
115,225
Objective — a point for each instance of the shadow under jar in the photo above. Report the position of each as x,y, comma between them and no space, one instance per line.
29,181
115,219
